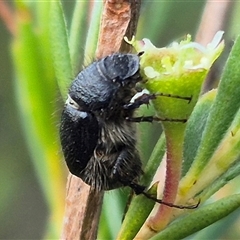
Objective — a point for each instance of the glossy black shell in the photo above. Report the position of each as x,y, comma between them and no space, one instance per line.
96,86
79,135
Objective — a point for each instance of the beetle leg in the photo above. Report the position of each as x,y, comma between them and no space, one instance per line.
125,169
127,176
153,118
144,97
139,189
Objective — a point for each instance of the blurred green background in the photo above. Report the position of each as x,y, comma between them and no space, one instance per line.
24,211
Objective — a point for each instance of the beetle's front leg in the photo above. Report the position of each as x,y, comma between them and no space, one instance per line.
144,97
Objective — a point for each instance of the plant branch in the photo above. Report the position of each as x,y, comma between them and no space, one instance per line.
82,210
119,19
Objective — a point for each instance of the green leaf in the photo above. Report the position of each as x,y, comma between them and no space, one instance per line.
227,176
200,218
137,213
60,47
222,113
108,228
224,157
93,31
78,34
195,127
35,96
152,10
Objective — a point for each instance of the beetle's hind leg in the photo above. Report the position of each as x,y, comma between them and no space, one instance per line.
139,189
127,167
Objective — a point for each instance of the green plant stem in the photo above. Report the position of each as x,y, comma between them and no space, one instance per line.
174,137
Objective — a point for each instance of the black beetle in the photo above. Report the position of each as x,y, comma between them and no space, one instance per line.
97,129
98,143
